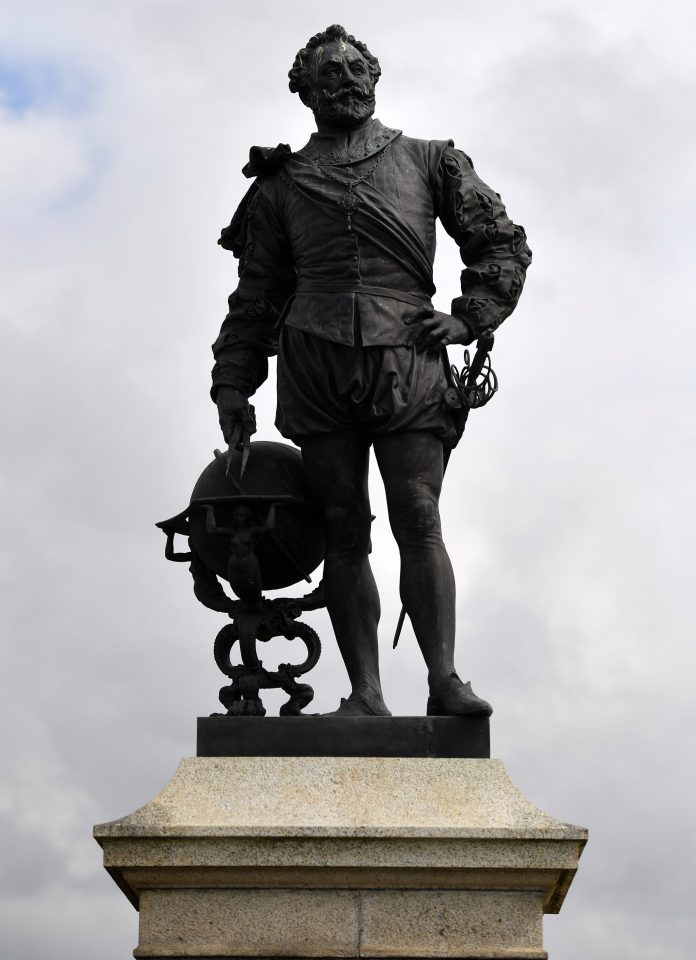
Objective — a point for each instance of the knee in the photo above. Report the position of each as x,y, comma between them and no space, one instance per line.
415,520
347,532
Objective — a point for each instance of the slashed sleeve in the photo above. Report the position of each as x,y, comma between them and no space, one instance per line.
493,249
266,280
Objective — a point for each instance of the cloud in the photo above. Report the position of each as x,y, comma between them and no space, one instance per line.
43,162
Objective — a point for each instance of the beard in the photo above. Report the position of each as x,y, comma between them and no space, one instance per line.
345,107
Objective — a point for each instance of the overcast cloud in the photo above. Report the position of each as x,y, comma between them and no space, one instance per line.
568,505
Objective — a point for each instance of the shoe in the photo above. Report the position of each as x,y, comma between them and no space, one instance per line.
456,699
357,706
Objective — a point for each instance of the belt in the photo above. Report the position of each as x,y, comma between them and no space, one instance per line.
388,292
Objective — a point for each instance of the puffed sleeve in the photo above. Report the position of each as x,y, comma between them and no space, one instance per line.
266,280
493,248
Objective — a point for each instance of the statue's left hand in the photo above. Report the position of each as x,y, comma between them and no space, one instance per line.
433,329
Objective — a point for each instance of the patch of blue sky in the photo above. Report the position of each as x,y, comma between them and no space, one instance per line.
44,85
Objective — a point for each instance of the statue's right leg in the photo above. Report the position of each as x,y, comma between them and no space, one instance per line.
336,466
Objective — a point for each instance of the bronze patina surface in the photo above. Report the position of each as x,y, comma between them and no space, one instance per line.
335,244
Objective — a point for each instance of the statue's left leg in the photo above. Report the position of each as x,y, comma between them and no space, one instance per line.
336,466
412,466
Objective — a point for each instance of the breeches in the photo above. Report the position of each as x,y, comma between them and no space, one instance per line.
326,387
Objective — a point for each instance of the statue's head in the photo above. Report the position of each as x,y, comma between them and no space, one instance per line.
335,75
241,516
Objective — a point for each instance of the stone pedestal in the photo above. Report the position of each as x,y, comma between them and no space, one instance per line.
341,857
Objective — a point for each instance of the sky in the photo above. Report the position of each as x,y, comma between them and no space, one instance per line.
568,506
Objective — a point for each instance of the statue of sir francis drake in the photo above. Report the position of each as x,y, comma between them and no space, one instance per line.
336,244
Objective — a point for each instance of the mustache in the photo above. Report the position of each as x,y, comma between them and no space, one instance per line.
348,93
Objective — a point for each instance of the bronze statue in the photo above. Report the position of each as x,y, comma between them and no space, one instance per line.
336,244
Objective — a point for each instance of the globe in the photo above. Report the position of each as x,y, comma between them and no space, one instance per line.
274,475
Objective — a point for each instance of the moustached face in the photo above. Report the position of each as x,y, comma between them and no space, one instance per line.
343,90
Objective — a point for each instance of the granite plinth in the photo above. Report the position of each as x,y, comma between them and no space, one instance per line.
341,857
343,737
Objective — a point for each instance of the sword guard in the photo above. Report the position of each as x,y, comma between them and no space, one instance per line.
477,383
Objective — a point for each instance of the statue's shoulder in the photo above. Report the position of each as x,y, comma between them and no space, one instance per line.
427,152
425,148
416,143
266,161
263,166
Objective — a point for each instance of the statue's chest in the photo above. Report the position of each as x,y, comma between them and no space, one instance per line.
321,222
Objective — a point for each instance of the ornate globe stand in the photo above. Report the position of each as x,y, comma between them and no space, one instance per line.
264,534
276,618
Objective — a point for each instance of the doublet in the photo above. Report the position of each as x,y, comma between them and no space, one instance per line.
353,280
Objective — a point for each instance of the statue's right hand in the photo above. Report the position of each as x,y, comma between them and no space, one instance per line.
236,415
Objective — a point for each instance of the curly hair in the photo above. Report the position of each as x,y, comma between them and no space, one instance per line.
300,73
